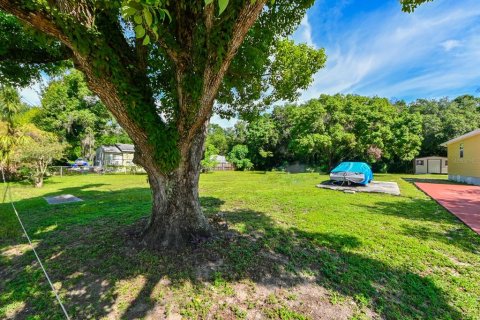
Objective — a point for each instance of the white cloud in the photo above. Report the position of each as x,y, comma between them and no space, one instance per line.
304,32
395,54
450,44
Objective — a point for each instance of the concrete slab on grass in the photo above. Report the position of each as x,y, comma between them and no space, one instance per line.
374,186
461,200
64,198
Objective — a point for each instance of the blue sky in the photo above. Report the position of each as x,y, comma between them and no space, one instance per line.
374,48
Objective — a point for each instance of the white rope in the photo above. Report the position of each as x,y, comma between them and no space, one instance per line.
7,189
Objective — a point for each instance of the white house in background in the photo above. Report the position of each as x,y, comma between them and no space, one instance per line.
431,164
119,154
222,163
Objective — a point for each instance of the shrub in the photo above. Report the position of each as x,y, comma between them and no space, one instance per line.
238,157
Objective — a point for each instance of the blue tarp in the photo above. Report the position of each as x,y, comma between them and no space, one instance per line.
353,167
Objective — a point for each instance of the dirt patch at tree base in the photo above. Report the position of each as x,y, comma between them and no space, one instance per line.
212,290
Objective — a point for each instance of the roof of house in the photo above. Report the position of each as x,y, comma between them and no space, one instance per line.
119,148
220,159
465,136
110,149
125,147
431,157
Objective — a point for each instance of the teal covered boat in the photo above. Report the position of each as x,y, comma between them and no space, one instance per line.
352,172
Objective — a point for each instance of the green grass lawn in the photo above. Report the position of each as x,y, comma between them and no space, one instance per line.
283,250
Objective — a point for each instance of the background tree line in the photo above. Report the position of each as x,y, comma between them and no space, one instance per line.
70,122
333,128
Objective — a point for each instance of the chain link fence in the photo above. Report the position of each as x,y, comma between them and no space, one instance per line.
82,170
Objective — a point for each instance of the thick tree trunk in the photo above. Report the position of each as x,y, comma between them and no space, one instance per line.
177,218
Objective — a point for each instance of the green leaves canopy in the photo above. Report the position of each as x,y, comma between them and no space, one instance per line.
73,112
38,151
217,137
10,103
322,132
208,163
25,53
411,5
446,119
336,128
238,157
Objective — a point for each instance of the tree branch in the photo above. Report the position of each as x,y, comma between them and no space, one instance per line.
212,78
142,54
82,10
36,19
39,57
208,14
172,54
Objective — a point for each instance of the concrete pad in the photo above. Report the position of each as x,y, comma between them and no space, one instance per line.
461,200
374,187
64,198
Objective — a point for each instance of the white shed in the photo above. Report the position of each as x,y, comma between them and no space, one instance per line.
433,164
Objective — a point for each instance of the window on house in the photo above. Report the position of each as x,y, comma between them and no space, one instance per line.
461,150
420,163
446,162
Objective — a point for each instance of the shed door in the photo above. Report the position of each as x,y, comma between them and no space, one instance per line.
434,166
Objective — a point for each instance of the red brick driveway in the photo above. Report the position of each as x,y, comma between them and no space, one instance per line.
461,200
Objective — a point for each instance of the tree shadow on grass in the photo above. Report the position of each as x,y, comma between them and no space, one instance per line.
411,209
104,272
440,225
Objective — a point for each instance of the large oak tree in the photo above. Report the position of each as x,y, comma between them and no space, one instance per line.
160,67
